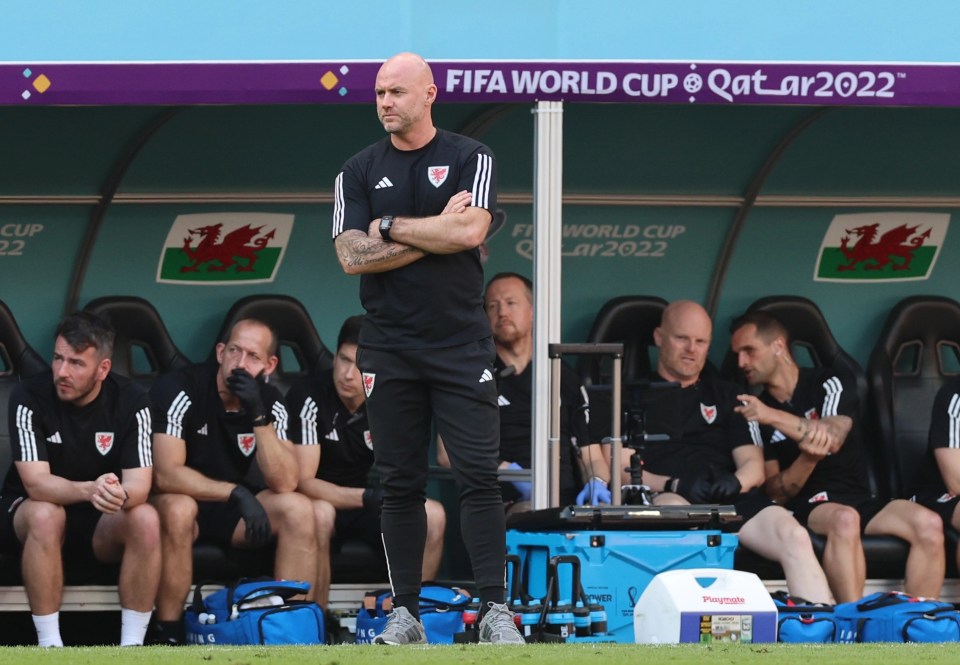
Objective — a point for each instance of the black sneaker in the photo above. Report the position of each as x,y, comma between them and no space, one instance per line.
168,633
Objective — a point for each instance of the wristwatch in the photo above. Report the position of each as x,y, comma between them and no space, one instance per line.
263,420
386,223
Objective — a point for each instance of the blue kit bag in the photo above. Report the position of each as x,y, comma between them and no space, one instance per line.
255,612
799,620
897,617
441,611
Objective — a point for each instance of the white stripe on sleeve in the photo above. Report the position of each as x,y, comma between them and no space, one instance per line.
338,208
175,414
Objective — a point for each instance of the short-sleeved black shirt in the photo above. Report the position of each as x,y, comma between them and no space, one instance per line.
944,433
220,445
346,447
820,393
435,301
514,399
110,434
699,420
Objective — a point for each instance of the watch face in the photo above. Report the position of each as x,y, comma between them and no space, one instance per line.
386,223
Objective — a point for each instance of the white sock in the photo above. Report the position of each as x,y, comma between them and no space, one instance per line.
48,629
133,627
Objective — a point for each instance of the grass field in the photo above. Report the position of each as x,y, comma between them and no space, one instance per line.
569,654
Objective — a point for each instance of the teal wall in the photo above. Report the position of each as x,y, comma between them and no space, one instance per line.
615,242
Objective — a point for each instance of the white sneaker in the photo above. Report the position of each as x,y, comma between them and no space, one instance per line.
401,628
498,627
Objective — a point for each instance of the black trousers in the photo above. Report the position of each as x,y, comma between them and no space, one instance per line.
453,388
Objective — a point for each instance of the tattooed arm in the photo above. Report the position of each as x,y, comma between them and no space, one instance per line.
359,253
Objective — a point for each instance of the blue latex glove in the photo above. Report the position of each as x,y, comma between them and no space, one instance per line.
524,488
594,492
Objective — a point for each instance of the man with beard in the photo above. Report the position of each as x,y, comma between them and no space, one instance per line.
815,464
80,479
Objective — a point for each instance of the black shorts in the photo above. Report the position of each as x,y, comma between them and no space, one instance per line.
942,503
866,506
358,524
748,505
217,520
9,543
82,519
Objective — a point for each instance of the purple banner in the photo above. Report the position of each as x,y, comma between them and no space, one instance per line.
474,81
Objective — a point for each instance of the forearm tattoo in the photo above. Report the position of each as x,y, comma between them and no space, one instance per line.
356,249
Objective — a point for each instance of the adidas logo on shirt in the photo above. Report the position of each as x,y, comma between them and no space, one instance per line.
203,430
55,438
486,376
502,401
384,183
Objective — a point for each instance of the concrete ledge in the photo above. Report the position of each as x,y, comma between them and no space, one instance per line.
344,598
103,598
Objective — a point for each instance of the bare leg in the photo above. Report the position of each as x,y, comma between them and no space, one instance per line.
843,557
133,537
325,516
178,530
923,529
292,517
433,551
40,526
775,534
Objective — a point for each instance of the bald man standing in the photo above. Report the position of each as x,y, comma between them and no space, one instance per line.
410,212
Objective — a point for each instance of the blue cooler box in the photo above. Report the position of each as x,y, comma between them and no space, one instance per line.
616,566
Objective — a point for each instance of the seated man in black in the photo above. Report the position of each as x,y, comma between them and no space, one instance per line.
336,453
80,479
509,303
815,464
937,484
211,421
713,455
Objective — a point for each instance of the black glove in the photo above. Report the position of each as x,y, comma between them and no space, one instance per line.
725,487
254,515
693,489
372,498
247,390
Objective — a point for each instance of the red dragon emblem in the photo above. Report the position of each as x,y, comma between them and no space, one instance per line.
104,442
235,245
899,243
246,442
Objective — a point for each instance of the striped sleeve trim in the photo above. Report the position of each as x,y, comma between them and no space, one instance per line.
953,426
833,389
144,442
755,436
26,436
281,419
308,423
176,413
482,181
338,207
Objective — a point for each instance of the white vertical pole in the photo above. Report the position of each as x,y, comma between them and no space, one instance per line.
547,248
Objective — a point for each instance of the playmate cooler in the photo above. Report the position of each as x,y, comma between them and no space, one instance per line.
704,606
